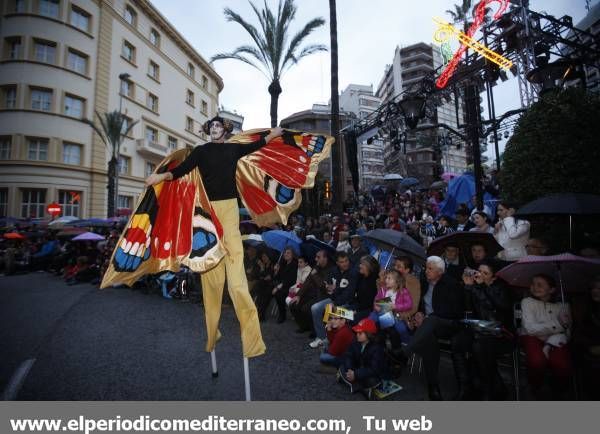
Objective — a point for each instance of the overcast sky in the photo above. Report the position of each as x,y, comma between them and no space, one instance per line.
368,32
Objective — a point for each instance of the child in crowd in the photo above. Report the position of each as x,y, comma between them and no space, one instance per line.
339,336
364,366
391,300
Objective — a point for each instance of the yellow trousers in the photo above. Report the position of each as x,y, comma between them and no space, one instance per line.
232,267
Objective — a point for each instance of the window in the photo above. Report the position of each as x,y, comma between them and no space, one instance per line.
124,202
172,143
149,169
5,148
153,70
204,82
3,202
19,6
204,108
41,99
70,202
189,124
127,88
189,97
71,154
10,97
33,203
128,52
74,106
37,149
152,102
123,165
49,8
44,51
125,126
13,48
80,18
154,38
77,61
191,70
130,15
151,135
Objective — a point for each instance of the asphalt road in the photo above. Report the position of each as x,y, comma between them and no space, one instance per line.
120,344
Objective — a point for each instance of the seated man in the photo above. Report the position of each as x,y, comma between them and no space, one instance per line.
454,268
441,305
340,288
357,250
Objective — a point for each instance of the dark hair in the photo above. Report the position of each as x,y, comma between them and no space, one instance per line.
371,264
341,255
406,260
462,212
482,215
549,279
492,265
304,258
506,204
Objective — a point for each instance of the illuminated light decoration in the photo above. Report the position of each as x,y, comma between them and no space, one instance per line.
446,30
446,52
479,17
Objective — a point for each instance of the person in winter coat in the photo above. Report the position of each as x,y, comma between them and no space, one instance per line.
303,272
511,233
366,287
364,364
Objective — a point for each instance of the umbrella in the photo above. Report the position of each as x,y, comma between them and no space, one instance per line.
573,273
389,239
447,176
13,236
62,221
69,232
378,191
279,240
409,182
438,185
393,177
311,246
254,240
464,241
88,236
248,226
565,203
93,222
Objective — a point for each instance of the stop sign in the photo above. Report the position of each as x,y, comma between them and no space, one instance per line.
54,209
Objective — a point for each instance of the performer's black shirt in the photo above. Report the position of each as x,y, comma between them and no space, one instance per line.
217,163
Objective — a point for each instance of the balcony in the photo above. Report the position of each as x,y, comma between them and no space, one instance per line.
151,149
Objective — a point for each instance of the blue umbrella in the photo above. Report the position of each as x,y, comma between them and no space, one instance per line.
311,246
279,240
409,182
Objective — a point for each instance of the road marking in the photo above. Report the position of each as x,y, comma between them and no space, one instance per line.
16,381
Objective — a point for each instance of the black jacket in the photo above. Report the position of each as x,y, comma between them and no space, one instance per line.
366,290
345,286
448,300
368,363
490,303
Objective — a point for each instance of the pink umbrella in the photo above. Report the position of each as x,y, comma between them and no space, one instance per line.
574,273
88,236
447,176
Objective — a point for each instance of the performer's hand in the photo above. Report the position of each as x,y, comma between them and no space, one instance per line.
157,178
275,132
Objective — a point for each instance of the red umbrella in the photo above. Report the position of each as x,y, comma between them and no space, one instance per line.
574,273
14,236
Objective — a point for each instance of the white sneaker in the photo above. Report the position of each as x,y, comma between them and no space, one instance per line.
316,343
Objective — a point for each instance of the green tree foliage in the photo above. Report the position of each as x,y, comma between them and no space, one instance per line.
555,148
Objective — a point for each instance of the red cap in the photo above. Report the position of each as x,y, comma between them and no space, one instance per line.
365,325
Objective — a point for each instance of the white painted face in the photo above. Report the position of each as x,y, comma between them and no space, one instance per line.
217,131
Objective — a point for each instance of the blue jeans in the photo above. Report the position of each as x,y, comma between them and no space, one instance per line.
318,310
328,359
399,325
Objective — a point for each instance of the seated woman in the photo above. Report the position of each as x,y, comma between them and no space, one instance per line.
285,276
302,273
366,287
490,300
364,365
586,340
546,326
396,295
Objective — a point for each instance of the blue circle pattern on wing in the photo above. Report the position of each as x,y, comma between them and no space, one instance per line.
127,262
283,194
202,242
317,143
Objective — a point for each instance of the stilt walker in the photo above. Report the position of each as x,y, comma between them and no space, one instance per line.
189,216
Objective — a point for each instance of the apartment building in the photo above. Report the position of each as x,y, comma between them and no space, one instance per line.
65,60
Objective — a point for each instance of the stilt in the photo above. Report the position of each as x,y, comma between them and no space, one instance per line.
213,364
247,379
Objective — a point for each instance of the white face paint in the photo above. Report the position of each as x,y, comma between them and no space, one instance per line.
217,132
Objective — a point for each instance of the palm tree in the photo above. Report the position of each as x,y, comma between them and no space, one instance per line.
111,132
270,49
336,152
461,14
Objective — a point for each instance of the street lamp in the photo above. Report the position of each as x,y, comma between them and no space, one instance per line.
413,109
547,75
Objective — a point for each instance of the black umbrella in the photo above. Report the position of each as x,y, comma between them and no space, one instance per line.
389,239
464,241
564,203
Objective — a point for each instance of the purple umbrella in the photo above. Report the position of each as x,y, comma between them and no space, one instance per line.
574,273
88,236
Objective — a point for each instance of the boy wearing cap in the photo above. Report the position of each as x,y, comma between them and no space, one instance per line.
339,336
